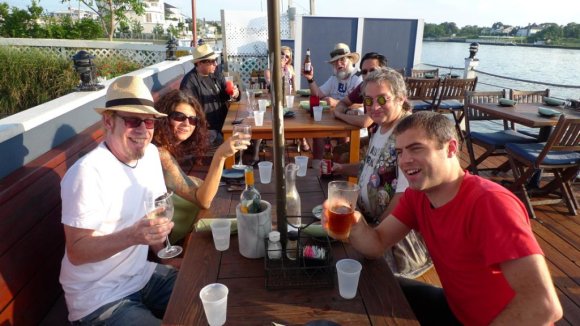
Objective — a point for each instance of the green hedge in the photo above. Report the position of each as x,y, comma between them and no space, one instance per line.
33,77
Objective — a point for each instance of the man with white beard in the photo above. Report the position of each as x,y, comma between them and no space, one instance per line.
343,80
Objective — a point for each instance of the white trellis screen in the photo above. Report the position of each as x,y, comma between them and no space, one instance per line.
246,41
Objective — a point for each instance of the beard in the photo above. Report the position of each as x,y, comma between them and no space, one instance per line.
345,73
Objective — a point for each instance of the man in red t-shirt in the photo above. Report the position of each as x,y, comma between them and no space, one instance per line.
478,234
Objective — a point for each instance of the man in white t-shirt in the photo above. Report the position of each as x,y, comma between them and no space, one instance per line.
105,273
382,182
343,81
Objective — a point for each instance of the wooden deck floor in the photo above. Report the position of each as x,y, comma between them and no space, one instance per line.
557,232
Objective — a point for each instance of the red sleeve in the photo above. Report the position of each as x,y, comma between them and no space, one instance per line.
356,95
404,211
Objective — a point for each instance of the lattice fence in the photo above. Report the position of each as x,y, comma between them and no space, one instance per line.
143,57
246,42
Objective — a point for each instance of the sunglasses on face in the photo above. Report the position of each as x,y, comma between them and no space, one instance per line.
366,71
210,61
381,100
180,117
133,122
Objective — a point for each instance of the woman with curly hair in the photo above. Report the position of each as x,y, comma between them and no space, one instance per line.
183,134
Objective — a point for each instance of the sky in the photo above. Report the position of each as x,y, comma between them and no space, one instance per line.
462,12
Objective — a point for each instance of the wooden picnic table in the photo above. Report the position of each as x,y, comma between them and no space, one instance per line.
526,114
302,125
379,300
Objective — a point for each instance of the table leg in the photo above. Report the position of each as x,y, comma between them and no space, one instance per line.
354,150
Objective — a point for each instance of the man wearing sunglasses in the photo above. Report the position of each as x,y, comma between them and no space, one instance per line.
105,273
209,87
349,109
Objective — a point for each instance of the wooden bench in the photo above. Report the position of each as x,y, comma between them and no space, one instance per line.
32,244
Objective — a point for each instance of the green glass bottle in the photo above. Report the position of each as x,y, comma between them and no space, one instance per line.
250,197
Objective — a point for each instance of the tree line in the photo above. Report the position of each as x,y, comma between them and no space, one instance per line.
550,32
33,22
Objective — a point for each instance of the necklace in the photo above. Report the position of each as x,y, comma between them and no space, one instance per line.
131,166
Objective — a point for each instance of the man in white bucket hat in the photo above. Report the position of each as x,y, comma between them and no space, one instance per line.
209,88
105,273
343,81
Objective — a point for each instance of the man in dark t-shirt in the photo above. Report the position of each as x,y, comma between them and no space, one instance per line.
209,88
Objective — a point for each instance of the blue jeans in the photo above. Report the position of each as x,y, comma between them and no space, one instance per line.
428,302
144,307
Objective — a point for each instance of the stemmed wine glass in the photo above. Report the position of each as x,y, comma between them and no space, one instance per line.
241,131
166,202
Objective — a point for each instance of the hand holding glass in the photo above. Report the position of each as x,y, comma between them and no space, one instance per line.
342,198
166,202
241,131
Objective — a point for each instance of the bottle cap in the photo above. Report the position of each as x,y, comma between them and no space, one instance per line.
292,235
274,236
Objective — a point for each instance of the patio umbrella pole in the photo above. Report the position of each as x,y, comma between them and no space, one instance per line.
277,120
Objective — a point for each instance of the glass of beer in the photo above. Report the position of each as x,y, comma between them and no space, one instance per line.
342,198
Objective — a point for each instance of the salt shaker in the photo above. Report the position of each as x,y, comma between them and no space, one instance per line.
274,246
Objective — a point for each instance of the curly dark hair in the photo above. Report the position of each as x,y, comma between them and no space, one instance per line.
197,144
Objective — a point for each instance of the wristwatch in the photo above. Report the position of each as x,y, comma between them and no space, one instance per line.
310,81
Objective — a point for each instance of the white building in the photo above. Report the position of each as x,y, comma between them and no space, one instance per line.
74,14
158,12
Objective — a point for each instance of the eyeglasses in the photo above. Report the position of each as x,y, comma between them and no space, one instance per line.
180,117
365,71
133,122
381,100
210,61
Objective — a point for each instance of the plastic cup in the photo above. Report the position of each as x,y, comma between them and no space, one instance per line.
348,271
215,303
220,229
289,101
318,113
302,162
259,118
229,85
262,104
342,197
265,168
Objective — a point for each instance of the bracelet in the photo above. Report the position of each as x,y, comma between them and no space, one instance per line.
310,81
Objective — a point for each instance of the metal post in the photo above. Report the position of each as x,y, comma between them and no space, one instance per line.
312,7
277,120
193,24
471,62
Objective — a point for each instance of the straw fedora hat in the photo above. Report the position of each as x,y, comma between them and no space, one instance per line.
130,94
203,52
342,50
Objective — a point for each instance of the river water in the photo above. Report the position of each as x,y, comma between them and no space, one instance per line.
557,66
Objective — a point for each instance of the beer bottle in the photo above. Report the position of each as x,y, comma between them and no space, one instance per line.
307,63
326,163
250,198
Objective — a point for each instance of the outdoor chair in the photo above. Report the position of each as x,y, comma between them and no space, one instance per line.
560,155
451,99
529,97
425,73
486,131
422,93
